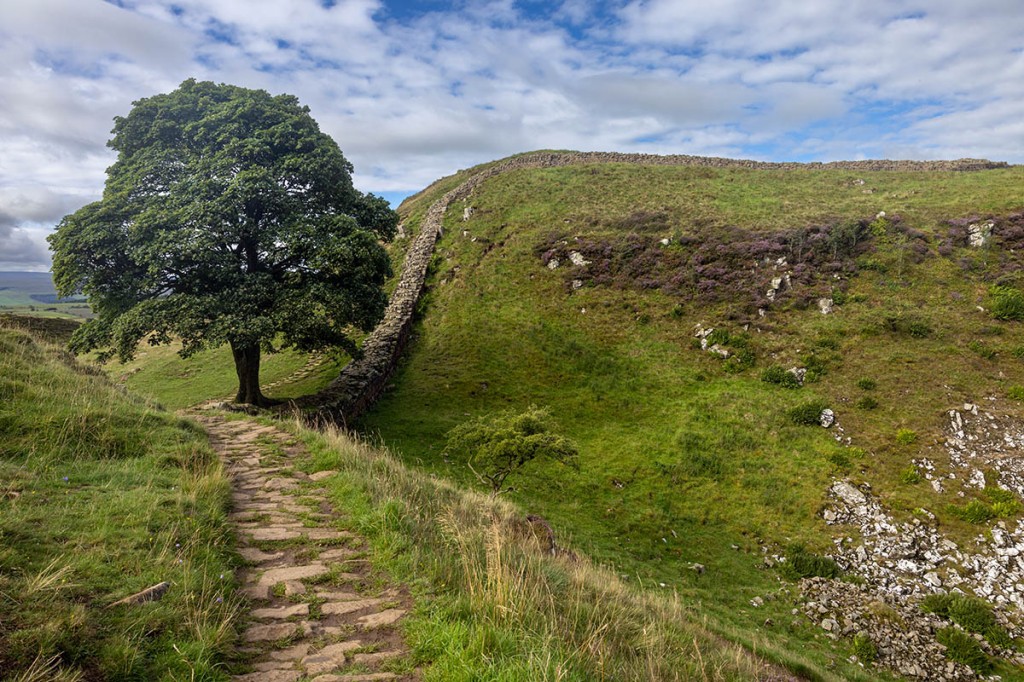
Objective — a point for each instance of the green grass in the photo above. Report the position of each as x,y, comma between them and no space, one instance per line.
158,372
682,455
101,496
492,606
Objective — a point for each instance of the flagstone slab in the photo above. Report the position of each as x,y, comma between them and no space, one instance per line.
285,573
342,607
281,612
381,619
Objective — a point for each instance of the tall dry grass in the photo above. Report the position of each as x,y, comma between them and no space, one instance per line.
508,609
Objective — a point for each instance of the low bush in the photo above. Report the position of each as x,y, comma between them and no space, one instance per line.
866,384
780,376
963,648
840,459
970,613
807,414
1015,393
741,360
937,604
907,325
910,476
906,437
719,336
864,648
803,564
1006,303
974,511
866,403
982,350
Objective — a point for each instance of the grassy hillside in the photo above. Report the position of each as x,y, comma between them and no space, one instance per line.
159,373
102,496
687,458
492,601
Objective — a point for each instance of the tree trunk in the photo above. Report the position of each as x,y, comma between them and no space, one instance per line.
247,366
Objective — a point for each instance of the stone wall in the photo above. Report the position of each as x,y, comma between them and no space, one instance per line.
362,381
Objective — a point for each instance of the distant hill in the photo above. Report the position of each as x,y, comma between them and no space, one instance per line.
30,288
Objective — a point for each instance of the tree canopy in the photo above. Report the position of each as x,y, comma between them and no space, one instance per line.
228,217
496,446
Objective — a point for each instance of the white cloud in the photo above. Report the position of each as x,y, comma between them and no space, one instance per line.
411,97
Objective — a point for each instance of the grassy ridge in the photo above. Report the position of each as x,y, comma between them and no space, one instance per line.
681,460
102,496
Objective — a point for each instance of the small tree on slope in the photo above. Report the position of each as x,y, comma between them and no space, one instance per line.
500,445
228,217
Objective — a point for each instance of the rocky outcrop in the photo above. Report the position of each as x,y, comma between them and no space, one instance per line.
362,381
901,634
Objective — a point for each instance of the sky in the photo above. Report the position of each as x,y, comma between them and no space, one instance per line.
413,91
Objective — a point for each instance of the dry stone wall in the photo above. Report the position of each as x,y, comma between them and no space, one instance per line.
362,381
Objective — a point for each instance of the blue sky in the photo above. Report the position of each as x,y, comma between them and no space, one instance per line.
416,90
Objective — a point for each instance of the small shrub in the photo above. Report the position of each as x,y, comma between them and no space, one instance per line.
827,341
1000,495
907,325
910,476
1006,303
972,614
779,376
718,336
1018,352
501,444
1006,510
840,459
963,648
866,384
937,604
807,414
1015,393
864,648
906,437
871,263
739,361
866,403
816,366
999,637
982,350
974,511
803,564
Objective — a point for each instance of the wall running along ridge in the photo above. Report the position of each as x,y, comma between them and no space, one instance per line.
362,381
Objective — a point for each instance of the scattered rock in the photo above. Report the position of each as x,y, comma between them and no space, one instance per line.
827,418
978,233
149,594
825,305
577,259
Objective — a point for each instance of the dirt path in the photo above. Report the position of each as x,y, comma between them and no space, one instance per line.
316,611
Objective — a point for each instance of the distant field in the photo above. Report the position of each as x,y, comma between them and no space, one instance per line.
33,292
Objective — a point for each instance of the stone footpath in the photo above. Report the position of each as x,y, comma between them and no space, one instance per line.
317,613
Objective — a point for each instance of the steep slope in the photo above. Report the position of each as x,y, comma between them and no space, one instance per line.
101,497
591,289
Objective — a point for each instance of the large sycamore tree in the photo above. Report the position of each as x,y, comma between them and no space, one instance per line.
228,217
